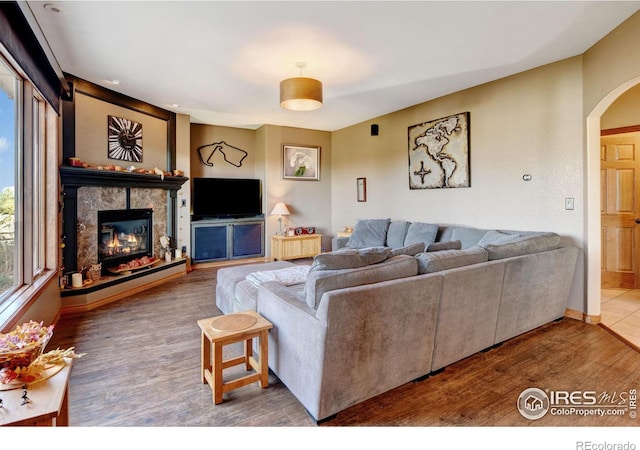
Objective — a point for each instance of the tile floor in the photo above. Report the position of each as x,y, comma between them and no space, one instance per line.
620,312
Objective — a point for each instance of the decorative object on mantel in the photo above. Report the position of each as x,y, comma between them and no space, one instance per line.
232,155
439,153
22,360
76,162
125,139
300,162
280,210
135,264
95,272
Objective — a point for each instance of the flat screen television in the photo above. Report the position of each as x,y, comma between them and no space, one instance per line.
221,198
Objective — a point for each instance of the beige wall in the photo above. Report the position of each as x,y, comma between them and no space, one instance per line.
240,138
525,124
624,112
91,134
308,201
611,62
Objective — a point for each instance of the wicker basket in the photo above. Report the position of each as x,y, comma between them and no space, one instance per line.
23,357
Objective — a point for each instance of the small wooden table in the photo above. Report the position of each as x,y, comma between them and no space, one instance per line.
231,328
293,247
47,406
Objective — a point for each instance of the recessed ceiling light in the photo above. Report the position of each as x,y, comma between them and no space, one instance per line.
114,81
52,8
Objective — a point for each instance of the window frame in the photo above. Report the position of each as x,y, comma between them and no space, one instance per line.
36,186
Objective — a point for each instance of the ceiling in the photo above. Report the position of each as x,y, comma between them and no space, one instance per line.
222,62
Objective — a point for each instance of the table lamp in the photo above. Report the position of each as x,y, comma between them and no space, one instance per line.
280,210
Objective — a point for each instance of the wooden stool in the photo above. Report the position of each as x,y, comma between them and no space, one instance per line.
224,330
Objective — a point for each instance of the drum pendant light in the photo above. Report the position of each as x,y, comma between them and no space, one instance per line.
300,93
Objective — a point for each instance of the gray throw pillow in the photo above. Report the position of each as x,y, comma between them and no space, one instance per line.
350,258
369,233
421,232
411,250
448,245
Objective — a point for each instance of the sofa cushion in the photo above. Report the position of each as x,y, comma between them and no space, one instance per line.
411,250
369,233
350,258
448,245
497,237
449,259
396,233
523,245
321,281
467,235
419,232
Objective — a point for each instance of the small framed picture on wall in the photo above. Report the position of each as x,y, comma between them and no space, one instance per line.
300,162
361,185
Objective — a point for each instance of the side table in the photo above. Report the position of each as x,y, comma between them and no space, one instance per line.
228,329
293,247
47,406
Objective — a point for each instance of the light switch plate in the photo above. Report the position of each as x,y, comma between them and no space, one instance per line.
568,203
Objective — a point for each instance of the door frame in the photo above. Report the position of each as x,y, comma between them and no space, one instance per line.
593,247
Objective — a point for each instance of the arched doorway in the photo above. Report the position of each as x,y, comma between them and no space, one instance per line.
592,211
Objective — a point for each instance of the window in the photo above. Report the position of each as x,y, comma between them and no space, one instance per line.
28,156
9,114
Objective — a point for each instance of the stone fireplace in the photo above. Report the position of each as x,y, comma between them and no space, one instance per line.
93,201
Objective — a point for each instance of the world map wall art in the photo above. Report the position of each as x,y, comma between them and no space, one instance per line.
439,153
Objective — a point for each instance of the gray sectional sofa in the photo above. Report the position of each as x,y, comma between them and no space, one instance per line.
397,301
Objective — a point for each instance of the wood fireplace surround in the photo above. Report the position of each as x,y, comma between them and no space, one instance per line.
86,191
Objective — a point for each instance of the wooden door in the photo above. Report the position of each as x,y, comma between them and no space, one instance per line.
620,209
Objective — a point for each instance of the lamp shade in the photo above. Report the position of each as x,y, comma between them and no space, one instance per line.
280,210
300,94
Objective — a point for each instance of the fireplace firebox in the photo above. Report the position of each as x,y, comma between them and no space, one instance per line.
123,235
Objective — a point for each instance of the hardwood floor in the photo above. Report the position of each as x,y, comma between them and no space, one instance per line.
143,356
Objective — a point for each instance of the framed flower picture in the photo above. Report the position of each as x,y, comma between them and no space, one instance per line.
125,139
300,162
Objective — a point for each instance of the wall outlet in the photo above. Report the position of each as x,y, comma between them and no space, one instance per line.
568,203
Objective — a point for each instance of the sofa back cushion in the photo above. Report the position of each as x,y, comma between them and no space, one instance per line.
396,233
523,245
421,233
449,259
350,258
321,281
467,235
369,233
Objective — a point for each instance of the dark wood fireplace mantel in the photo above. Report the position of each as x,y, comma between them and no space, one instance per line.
79,176
73,178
